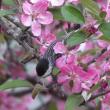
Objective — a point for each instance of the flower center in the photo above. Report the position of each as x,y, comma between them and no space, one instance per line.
71,83
34,15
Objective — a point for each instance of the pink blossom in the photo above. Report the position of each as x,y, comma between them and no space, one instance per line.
72,86
36,14
66,59
89,45
45,41
107,99
17,70
86,58
105,106
8,102
102,43
49,37
90,77
60,62
42,50
106,102
70,79
105,66
71,72
60,48
103,56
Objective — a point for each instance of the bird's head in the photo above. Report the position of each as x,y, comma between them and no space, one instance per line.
42,67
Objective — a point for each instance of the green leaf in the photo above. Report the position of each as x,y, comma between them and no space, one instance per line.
56,13
2,40
103,14
76,38
9,2
52,106
105,29
15,84
7,12
73,101
91,6
72,14
55,71
60,34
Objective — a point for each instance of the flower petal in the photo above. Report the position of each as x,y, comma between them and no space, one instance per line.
60,62
36,28
27,8
45,18
49,38
62,78
59,48
41,6
26,20
42,50
66,69
77,86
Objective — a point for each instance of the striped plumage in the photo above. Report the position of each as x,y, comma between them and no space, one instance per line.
49,54
47,62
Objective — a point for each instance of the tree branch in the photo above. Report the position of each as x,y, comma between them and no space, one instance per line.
96,96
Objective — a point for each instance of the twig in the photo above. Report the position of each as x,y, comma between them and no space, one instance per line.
27,59
96,96
17,33
97,56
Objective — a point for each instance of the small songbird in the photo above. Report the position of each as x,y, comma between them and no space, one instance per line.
47,62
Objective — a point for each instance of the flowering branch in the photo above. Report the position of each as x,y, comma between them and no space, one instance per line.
96,96
97,56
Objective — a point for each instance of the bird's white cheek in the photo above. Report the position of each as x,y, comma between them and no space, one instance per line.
48,72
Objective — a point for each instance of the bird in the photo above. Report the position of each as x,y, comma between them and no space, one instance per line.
47,61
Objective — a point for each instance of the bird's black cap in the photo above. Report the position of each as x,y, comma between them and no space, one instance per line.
42,67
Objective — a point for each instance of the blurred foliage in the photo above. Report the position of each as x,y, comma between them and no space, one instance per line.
15,84
52,106
9,2
73,101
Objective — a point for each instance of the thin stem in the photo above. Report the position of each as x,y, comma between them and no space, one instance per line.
96,96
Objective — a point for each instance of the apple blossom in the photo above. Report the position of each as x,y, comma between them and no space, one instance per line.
36,14
106,102
59,48
8,102
70,79
83,64
45,41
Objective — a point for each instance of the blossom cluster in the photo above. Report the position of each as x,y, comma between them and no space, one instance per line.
36,14
80,68
8,102
83,63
